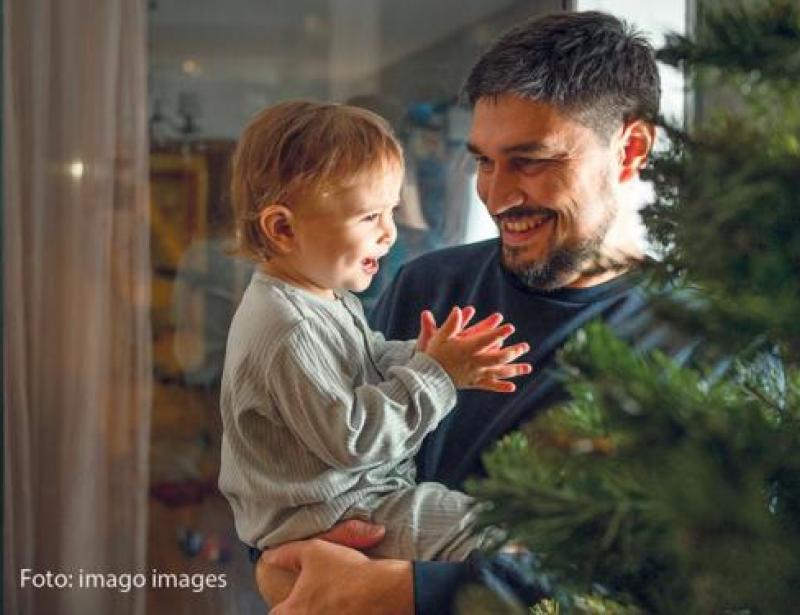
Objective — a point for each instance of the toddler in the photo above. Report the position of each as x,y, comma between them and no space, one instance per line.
322,416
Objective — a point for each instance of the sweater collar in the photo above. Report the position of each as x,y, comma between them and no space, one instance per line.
623,282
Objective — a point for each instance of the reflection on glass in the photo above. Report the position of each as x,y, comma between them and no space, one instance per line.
212,66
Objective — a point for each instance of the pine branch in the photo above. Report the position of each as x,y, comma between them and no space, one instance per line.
762,37
672,488
684,486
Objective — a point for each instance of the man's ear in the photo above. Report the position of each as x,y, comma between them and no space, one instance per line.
635,144
276,222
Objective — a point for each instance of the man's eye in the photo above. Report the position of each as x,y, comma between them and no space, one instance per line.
526,163
483,162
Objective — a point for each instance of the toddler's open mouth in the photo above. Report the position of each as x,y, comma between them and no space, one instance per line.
370,265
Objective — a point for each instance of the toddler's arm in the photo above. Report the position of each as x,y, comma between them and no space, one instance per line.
314,383
388,353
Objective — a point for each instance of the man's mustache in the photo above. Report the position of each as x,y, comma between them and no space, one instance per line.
523,211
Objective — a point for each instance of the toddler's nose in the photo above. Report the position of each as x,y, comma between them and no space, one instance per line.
389,228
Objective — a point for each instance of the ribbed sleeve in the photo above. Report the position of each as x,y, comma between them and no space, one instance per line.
319,413
338,415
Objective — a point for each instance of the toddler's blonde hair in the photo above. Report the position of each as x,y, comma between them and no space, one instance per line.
301,147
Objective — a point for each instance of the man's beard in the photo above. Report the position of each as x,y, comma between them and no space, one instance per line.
564,263
558,269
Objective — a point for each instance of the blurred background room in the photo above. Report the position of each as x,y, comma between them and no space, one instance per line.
119,119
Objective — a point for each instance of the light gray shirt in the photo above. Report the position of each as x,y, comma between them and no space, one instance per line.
319,413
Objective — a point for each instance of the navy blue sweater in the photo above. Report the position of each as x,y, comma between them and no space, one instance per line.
472,275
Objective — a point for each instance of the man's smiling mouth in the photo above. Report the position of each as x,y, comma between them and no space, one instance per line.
520,226
519,229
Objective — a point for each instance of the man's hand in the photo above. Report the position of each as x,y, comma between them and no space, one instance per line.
355,533
331,578
275,583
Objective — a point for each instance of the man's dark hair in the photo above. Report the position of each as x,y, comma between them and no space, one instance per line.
590,64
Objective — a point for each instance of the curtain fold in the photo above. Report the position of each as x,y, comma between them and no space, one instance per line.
76,276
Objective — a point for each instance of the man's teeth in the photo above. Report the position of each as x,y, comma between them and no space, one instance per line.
520,226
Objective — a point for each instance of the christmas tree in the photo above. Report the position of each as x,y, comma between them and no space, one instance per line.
665,489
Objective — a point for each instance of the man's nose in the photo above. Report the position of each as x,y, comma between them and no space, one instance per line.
502,192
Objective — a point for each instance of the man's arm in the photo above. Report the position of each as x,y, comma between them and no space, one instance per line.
433,585
335,579
331,578
275,583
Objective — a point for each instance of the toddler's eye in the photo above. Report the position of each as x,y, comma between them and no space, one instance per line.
370,218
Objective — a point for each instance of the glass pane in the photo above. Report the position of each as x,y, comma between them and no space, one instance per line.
212,66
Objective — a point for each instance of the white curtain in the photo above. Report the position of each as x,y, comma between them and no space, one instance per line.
77,362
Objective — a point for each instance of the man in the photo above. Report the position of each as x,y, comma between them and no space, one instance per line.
563,108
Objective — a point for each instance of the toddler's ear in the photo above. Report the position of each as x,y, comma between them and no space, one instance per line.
276,222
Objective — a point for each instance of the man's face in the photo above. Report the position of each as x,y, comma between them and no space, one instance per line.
548,183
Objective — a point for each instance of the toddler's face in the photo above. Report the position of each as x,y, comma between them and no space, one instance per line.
341,235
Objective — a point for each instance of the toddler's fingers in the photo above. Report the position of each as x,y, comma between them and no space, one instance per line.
500,356
467,314
487,339
427,319
427,329
490,322
452,325
510,370
495,386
